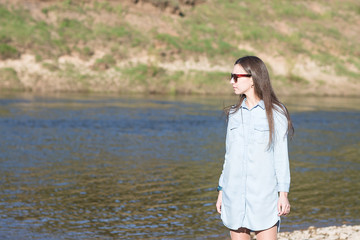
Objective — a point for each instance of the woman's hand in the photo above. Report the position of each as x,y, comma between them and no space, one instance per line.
218,202
283,204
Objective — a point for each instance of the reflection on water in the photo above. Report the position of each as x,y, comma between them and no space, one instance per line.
94,167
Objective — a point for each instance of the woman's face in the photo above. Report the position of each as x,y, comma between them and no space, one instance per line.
243,84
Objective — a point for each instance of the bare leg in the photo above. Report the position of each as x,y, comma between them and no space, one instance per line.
268,234
240,234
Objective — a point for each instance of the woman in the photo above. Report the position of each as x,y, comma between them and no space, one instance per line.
255,180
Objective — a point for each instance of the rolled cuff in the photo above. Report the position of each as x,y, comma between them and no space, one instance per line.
283,187
221,179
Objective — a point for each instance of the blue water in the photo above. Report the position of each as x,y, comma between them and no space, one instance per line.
105,167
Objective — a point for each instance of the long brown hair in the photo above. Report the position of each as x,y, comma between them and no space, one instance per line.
263,89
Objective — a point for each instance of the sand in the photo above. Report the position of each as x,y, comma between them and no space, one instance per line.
328,233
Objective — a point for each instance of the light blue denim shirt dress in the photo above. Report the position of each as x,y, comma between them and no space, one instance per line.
253,174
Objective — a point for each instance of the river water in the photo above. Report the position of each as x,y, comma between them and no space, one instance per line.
116,167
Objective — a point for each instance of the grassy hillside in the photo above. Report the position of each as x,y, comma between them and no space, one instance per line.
178,46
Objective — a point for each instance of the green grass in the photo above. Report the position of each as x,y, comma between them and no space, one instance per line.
290,80
15,24
85,52
9,80
355,62
212,29
143,74
103,5
326,58
342,70
111,32
7,51
293,78
73,30
155,79
292,10
38,58
104,63
53,40
76,81
168,39
50,66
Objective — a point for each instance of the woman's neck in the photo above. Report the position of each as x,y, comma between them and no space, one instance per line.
252,100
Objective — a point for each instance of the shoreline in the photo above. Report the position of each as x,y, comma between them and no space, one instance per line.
71,74
96,92
344,232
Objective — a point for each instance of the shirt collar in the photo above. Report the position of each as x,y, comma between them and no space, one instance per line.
260,104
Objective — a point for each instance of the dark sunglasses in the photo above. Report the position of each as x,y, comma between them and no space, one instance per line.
236,76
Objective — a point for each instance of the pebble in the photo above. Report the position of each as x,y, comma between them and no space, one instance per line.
344,232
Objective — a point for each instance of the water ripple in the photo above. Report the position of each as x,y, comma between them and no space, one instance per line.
89,168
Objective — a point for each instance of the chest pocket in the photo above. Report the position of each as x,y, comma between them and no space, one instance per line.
236,127
235,134
261,133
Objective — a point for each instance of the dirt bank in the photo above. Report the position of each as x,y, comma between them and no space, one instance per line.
180,47
70,73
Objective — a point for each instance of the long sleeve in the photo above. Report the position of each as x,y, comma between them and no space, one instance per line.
221,179
281,156
253,174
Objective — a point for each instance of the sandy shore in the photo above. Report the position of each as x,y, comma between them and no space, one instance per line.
343,232
328,233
